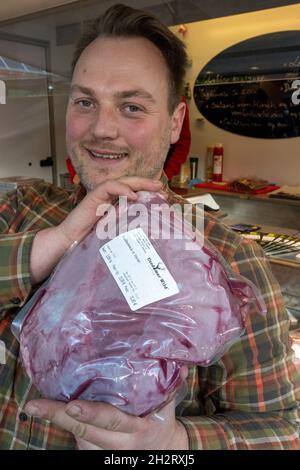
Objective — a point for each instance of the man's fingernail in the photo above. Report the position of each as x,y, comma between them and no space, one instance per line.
33,410
74,411
157,182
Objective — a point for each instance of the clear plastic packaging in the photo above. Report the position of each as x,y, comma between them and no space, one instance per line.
80,338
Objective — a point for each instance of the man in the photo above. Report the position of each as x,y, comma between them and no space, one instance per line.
124,112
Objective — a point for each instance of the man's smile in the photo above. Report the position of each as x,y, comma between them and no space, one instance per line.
107,155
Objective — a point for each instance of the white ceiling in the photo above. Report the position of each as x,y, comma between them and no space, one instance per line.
14,8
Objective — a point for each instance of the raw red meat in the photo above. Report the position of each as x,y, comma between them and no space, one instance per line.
82,341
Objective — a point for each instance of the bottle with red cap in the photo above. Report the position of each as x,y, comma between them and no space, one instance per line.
218,156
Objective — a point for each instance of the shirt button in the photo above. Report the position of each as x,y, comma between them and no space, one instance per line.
23,417
15,300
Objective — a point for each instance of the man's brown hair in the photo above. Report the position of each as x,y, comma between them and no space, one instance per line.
123,21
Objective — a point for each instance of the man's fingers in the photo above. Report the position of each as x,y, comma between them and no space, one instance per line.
138,183
97,414
103,415
123,187
99,424
104,426
55,412
108,190
96,203
126,186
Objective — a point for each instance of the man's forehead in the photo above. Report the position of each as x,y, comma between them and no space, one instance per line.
122,67
131,51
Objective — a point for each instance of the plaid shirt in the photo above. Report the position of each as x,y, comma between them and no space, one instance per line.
247,400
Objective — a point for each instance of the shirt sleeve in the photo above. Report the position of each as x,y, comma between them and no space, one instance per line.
249,396
15,248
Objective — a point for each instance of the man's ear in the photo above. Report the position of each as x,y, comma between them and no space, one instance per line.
177,120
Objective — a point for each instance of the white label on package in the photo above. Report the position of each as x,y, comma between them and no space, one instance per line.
138,270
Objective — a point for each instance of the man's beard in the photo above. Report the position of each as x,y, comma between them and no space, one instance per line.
85,178
137,165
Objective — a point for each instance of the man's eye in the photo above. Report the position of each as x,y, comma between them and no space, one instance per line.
84,103
132,108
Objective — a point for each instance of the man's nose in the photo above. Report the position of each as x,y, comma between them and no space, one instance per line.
106,123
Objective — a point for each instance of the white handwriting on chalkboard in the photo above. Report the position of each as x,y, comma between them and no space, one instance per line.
295,63
296,93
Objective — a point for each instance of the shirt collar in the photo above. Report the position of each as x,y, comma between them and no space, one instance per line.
77,195
164,181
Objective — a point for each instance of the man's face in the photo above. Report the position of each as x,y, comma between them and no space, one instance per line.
118,123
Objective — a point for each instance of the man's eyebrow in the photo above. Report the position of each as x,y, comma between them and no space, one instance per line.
82,89
137,93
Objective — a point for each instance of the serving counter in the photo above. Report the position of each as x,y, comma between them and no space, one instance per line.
272,215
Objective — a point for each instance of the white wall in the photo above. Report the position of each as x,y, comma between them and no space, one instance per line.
276,160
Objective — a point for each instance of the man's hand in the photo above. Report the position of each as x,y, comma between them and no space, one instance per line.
50,244
80,221
103,427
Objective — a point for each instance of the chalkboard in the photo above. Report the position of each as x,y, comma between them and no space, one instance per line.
253,88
